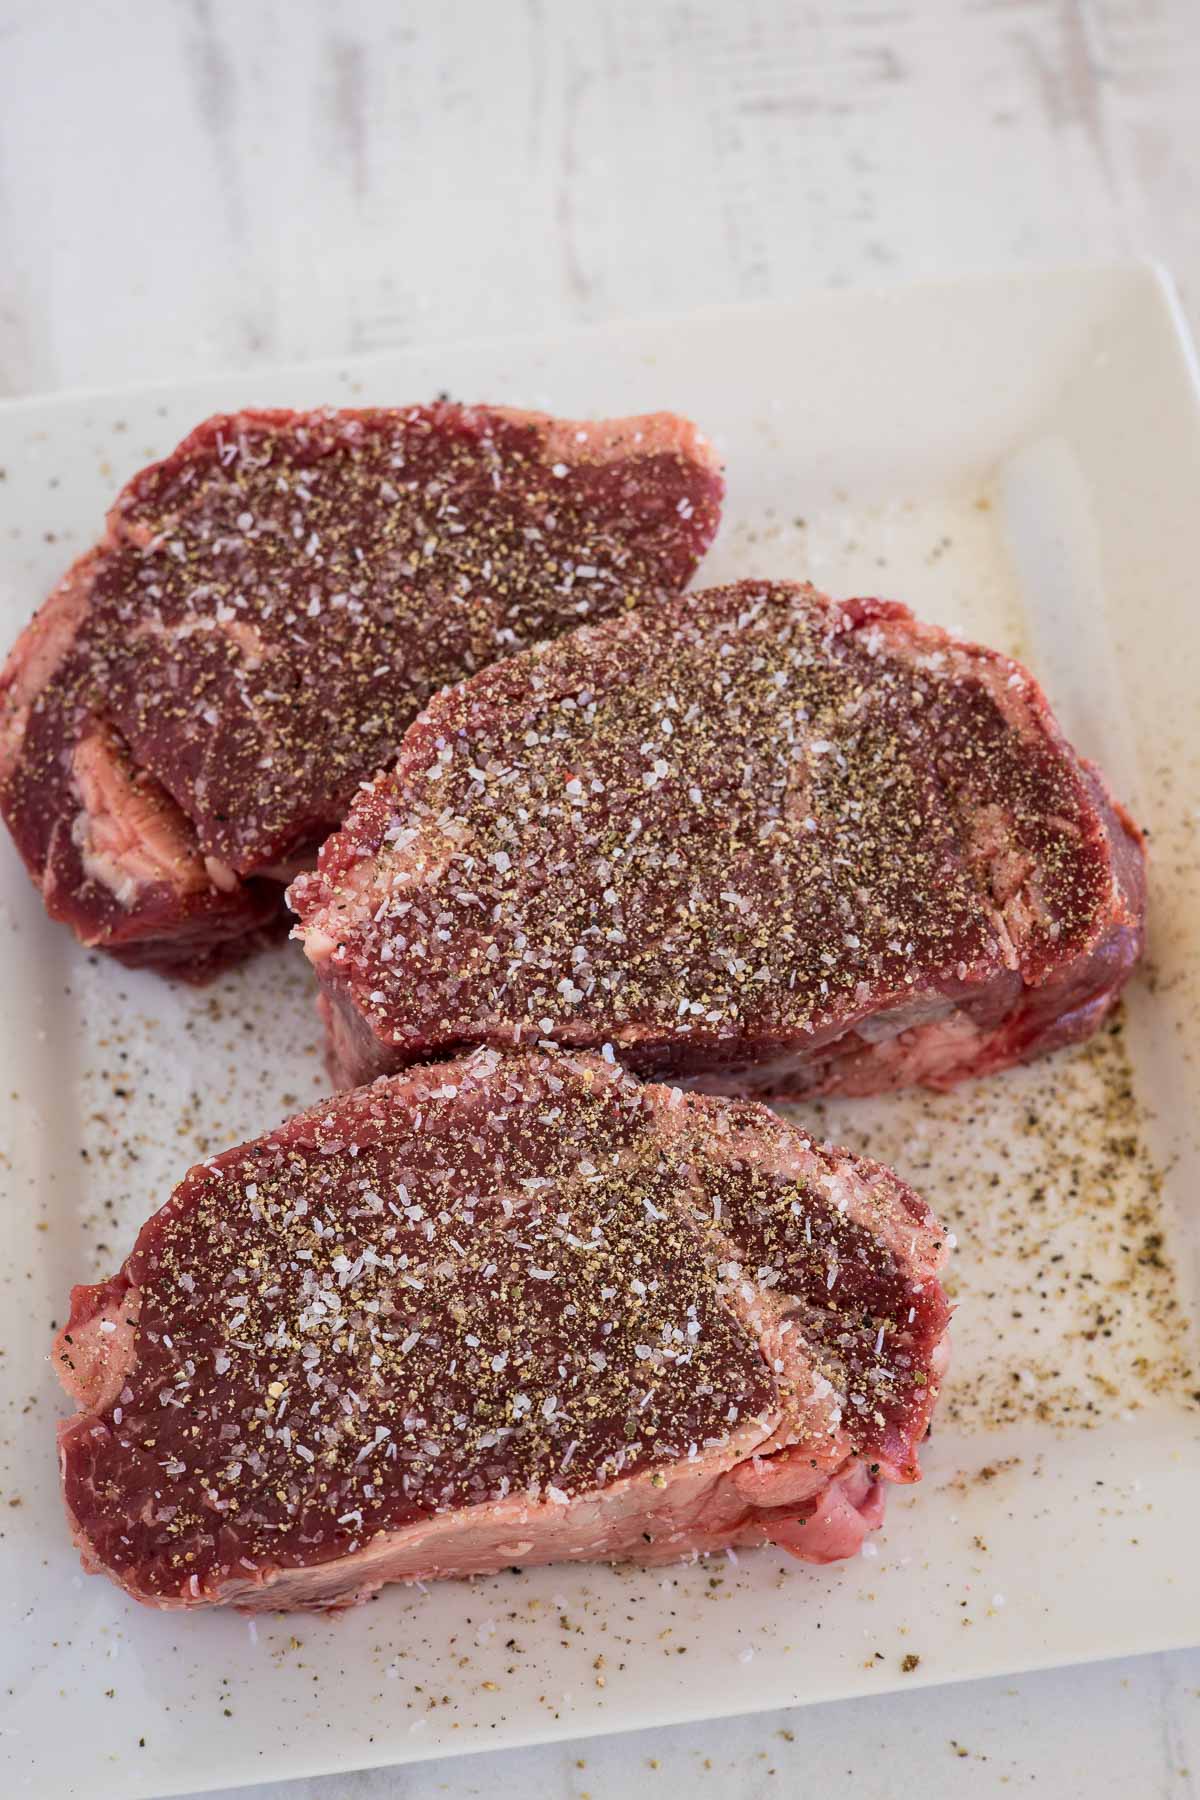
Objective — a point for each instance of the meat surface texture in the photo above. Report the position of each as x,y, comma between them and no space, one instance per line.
756,840
192,709
502,1310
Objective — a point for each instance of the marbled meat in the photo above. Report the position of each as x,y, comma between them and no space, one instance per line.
192,709
756,840
499,1311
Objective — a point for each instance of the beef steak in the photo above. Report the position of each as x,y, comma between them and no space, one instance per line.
755,839
192,709
496,1311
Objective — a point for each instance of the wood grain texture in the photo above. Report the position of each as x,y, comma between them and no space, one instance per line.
201,183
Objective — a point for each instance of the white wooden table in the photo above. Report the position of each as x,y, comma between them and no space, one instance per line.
186,187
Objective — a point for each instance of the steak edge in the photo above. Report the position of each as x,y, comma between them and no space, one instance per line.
757,840
503,1310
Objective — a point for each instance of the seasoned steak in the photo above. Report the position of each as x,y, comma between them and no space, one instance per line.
756,840
194,706
498,1311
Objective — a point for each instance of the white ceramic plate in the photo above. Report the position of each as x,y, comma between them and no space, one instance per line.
1018,457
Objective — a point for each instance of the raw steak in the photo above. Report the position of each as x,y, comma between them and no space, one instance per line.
756,839
498,1311
192,709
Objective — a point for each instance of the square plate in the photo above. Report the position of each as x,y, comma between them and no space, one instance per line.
1017,457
